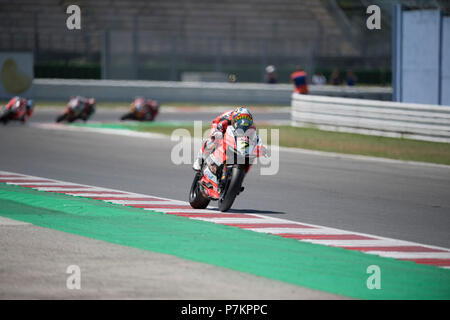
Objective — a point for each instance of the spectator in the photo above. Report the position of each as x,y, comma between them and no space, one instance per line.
335,78
271,76
299,79
319,79
350,78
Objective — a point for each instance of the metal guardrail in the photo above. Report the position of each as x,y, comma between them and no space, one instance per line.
216,92
381,118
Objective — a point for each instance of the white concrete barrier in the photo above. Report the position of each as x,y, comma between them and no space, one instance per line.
392,119
164,91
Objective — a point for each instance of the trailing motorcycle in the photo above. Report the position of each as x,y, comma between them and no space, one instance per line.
142,110
223,171
18,109
78,108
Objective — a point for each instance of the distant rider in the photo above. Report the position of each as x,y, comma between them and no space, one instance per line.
150,109
85,106
23,108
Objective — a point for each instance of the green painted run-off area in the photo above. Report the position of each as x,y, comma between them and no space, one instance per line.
319,267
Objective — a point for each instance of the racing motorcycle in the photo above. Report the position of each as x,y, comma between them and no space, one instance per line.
142,110
223,171
17,111
78,108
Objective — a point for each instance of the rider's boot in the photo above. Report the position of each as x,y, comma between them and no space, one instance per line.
202,154
197,166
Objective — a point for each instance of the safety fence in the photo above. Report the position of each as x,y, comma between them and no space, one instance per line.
171,91
381,118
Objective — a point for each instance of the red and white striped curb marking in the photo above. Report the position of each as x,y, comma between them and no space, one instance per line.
370,244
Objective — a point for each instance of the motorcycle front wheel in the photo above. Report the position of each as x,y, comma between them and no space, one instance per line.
5,118
128,116
196,198
61,117
232,188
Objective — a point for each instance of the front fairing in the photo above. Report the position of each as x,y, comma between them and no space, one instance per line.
234,148
75,106
17,109
242,144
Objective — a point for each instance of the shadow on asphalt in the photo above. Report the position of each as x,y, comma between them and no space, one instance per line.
250,211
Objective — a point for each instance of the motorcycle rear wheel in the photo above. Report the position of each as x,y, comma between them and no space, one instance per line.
196,198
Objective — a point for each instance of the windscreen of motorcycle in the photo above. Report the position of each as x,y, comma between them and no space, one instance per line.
243,145
75,104
17,104
245,137
242,125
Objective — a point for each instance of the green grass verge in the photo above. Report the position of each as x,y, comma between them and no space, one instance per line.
315,139
329,269
349,143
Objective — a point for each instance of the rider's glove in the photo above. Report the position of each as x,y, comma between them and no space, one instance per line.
264,152
217,135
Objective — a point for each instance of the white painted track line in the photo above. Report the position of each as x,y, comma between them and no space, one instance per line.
385,247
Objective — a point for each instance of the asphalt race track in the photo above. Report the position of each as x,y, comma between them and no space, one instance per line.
396,200
166,114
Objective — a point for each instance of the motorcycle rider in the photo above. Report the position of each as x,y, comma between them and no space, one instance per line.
142,109
87,106
218,127
30,107
150,109
21,104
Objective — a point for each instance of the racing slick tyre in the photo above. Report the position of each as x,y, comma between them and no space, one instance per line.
4,120
72,119
196,198
232,188
127,116
5,117
61,117
85,117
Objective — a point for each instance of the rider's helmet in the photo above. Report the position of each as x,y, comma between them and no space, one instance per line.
91,101
139,103
270,69
75,102
30,104
241,118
